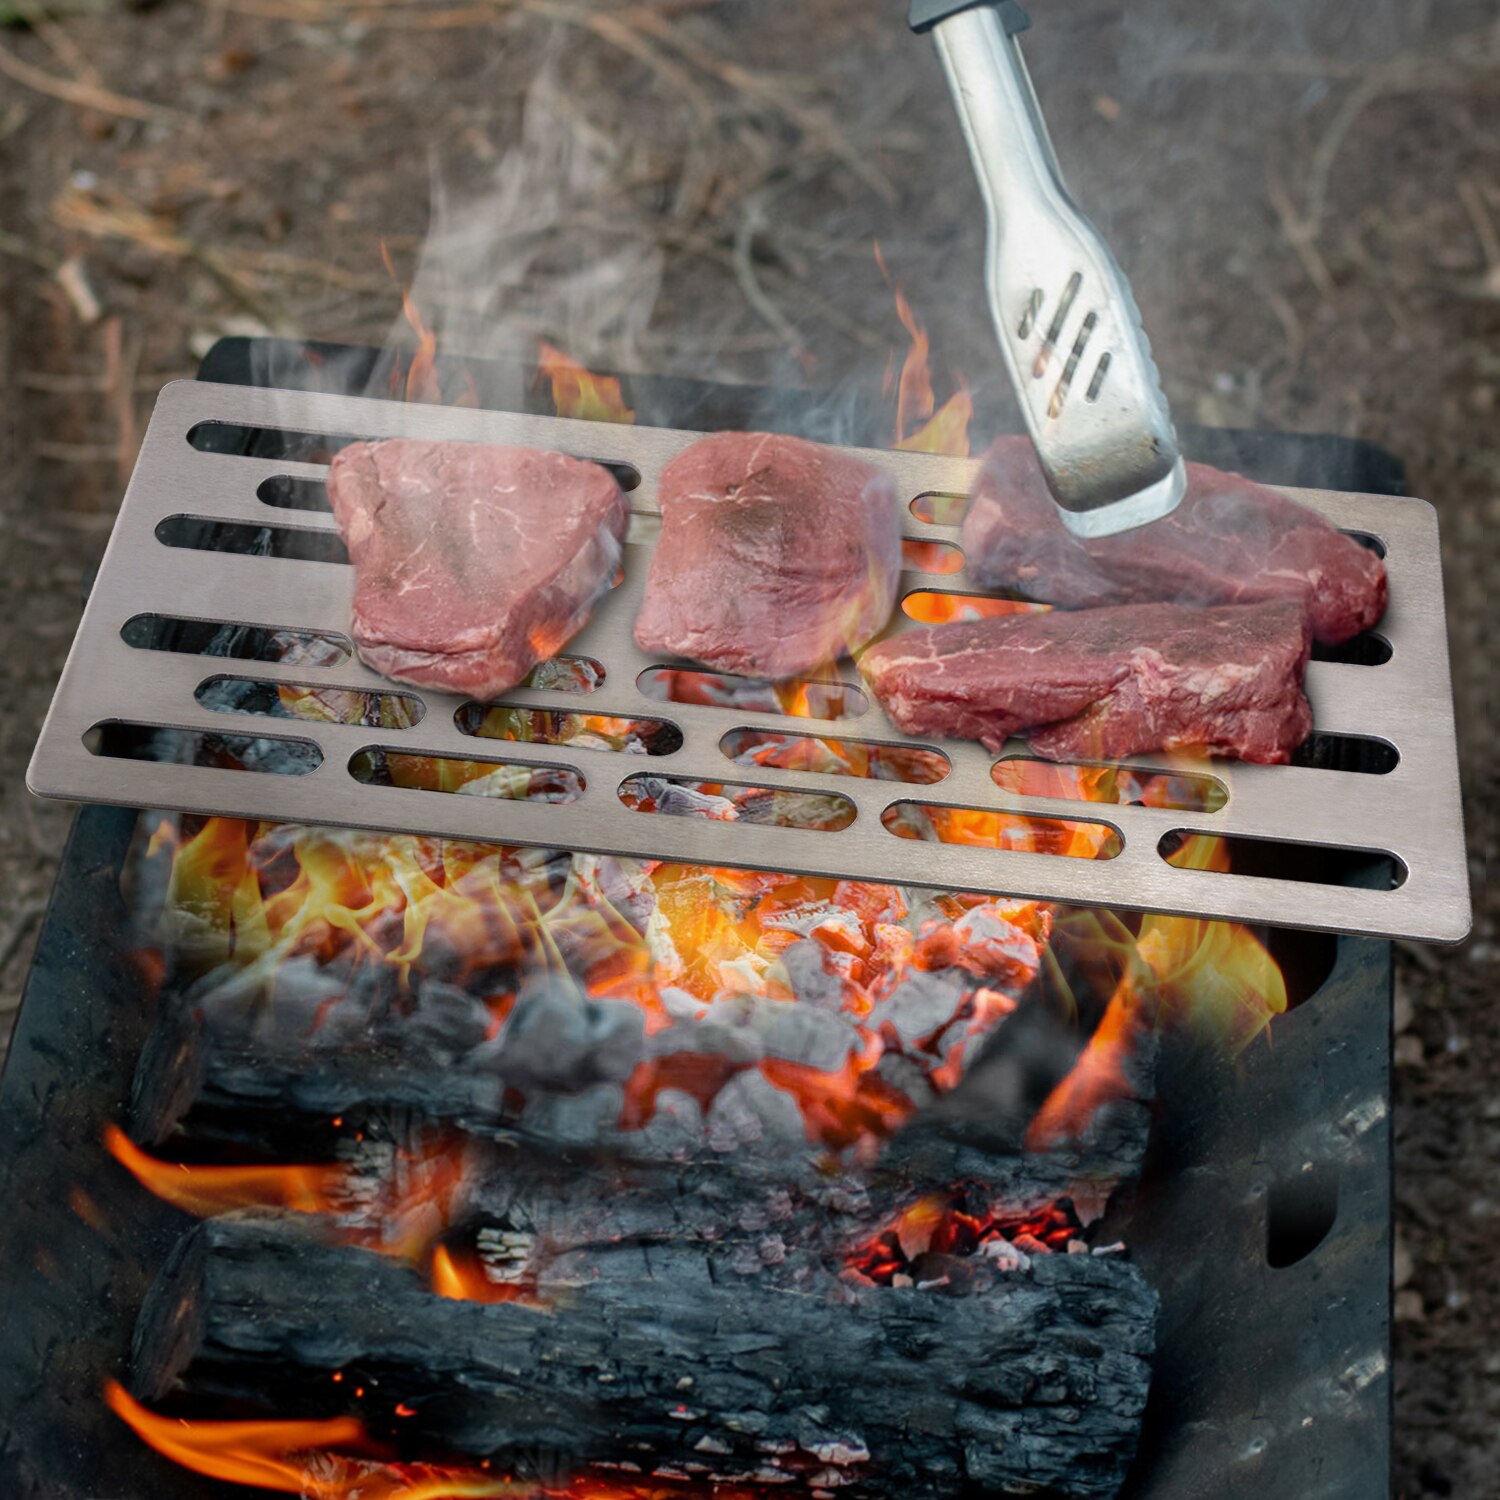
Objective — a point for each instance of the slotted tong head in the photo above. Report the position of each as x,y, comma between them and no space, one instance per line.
1067,322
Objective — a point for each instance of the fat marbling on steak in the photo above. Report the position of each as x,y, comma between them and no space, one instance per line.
1106,683
1230,542
776,555
473,561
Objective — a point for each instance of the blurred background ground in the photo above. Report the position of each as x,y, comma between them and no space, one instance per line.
1306,193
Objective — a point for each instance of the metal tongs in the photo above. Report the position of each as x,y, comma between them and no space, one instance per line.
1067,322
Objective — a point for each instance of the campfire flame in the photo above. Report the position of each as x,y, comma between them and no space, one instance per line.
209,1190
421,383
301,1457
921,425
578,392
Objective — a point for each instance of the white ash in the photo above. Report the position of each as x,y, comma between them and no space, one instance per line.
809,978
1004,1255
751,1111
920,1005
754,1026
557,1038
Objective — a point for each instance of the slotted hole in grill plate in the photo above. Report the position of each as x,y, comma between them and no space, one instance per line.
311,702
983,828
1368,650
121,739
917,765
732,802
939,509
152,632
1347,752
502,780
1283,859
281,542
1131,786
798,698
1366,539
236,439
287,493
933,607
931,557
546,726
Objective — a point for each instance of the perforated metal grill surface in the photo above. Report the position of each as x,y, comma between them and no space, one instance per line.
1412,812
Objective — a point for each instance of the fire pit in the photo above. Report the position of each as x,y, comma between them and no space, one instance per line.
934,1207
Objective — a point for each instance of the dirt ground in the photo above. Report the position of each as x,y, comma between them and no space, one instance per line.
1306,193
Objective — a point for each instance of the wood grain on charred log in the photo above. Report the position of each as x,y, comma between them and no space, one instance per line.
661,1363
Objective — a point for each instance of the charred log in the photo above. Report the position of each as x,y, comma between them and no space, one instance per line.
657,1362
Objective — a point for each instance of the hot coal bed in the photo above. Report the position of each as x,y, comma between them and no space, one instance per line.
1239,1345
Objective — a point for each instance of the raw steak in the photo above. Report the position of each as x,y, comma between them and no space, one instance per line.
776,555
1229,542
473,562
1098,684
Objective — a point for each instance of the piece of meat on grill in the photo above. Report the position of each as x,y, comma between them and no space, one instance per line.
1230,542
1099,684
473,562
776,555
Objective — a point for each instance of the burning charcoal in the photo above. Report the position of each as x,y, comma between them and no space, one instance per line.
922,1004
907,1078
1033,1383
557,1040
789,1030
989,943
750,1112
809,977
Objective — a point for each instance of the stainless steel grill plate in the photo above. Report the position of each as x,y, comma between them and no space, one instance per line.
1413,812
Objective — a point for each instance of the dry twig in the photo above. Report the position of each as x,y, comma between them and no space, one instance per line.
85,95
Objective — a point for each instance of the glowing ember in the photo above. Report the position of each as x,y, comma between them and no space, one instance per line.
921,425
577,392
921,1246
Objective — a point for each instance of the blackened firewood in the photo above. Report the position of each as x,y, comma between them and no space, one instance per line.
320,1049
657,1362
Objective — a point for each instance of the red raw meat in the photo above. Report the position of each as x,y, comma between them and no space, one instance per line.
776,555
1229,542
1099,684
473,562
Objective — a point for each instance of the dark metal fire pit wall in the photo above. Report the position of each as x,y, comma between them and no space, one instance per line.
1262,1217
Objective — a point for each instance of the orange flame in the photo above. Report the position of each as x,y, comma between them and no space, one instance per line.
422,383
1096,1080
578,392
204,1190
921,425
460,1278
1217,976
294,1457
